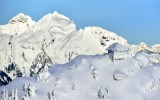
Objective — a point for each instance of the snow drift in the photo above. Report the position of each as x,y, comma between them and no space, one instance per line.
92,78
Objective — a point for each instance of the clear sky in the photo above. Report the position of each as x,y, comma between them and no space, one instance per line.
135,20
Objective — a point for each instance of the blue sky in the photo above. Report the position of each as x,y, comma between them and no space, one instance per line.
135,20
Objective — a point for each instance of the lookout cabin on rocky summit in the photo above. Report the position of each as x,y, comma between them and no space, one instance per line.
117,52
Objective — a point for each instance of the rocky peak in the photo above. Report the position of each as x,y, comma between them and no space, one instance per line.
143,44
17,25
21,18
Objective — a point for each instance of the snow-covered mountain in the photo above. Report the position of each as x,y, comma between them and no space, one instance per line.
17,25
140,47
55,36
156,48
90,78
78,67
144,47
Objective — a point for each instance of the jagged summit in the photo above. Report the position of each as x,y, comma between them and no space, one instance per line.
17,25
145,48
104,35
21,18
143,44
22,23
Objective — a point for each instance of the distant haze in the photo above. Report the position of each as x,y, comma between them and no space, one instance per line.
135,20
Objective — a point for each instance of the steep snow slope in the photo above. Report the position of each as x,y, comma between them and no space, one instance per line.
55,36
92,78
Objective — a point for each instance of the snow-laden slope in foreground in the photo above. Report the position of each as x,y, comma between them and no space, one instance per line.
91,78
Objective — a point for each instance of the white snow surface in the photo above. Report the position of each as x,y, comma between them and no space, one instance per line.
95,77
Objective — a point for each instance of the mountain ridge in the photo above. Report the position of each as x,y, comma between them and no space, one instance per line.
55,36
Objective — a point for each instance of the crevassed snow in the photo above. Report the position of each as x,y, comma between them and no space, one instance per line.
94,78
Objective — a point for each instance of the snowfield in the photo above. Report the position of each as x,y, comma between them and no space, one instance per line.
93,78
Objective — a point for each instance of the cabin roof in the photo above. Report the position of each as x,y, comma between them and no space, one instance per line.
117,47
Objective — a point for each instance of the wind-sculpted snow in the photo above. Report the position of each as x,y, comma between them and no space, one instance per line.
93,78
